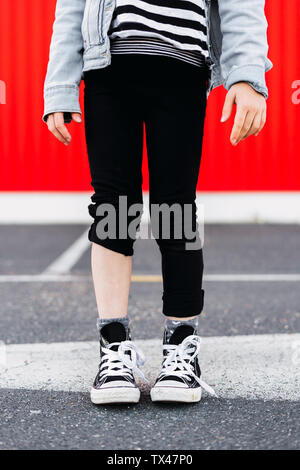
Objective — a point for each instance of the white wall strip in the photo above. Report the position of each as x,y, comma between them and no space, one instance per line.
219,207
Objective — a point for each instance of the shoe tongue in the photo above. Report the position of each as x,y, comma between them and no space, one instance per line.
114,332
181,333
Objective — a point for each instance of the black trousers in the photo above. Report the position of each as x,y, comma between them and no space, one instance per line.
168,97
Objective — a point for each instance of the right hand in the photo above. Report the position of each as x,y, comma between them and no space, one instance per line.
56,125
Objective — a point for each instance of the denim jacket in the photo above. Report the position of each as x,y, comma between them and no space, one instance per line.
237,41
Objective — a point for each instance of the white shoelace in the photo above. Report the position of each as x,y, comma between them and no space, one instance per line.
180,357
119,363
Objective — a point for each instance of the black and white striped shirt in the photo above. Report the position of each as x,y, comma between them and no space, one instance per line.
176,28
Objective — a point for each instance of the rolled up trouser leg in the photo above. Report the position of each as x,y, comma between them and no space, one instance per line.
182,261
115,226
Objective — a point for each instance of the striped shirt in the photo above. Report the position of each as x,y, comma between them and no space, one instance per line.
175,28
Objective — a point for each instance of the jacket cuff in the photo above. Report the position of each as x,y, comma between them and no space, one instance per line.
253,74
61,99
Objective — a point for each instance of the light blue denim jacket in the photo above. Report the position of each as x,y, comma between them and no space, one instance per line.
237,37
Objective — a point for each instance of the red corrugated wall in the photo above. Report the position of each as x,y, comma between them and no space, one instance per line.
31,159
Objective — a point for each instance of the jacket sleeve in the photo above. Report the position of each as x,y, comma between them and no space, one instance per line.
64,73
244,43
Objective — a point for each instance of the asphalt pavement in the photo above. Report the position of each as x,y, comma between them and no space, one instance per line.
250,351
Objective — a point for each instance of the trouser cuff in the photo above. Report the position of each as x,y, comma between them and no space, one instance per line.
183,305
124,247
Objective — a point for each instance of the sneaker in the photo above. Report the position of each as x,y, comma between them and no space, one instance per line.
119,358
180,377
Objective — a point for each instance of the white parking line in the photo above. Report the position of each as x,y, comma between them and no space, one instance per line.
252,367
42,278
253,277
64,263
49,276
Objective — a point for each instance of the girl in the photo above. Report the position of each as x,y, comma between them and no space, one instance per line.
152,63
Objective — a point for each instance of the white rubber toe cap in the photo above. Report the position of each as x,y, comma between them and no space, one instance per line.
115,394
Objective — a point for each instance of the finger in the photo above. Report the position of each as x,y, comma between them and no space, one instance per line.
76,117
61,128
255,125
238,124
248,124
50,122
53,130
263,122
228,106
58,135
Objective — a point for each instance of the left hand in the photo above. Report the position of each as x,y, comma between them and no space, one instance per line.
251,111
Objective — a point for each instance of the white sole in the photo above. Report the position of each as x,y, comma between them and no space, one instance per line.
179,395
115,395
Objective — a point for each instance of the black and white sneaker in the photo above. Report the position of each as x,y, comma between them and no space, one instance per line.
180,377
119,358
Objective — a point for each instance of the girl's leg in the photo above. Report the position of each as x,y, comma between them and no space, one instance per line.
111,275
174,131
114,132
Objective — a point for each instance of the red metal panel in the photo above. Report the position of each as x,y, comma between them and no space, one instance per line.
32,160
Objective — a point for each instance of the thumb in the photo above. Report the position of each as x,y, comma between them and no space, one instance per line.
76,117
228,106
